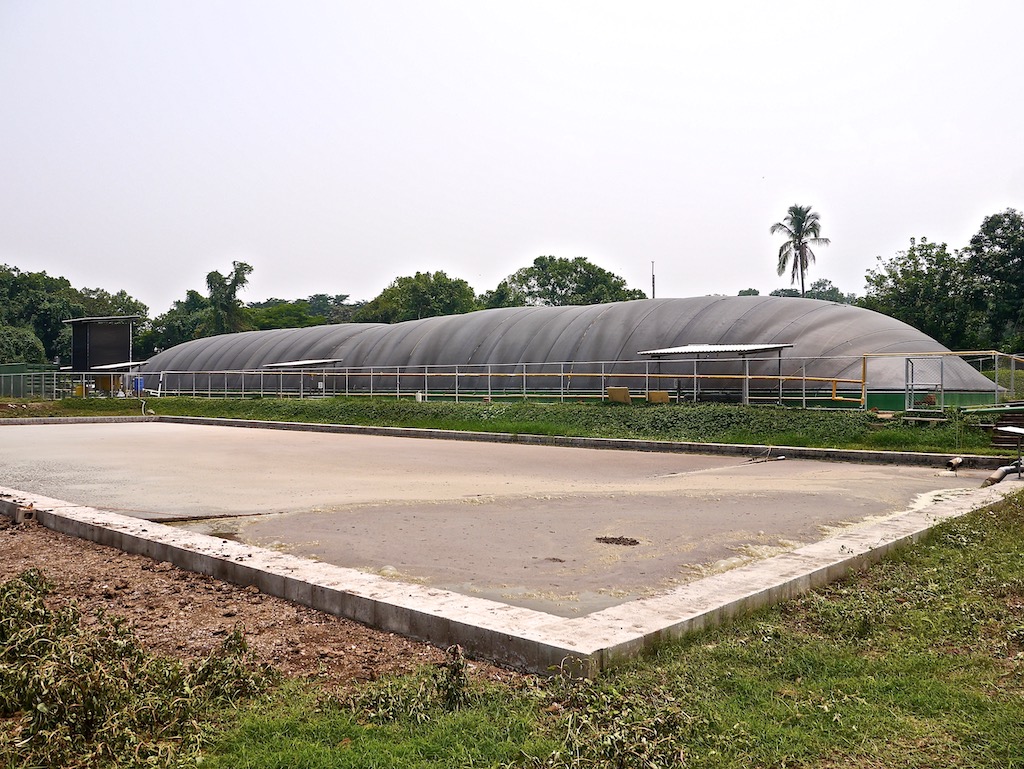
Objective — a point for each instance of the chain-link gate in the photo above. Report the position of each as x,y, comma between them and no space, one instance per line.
924,390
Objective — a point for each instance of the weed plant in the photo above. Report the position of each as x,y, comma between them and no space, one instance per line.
77,695
443,689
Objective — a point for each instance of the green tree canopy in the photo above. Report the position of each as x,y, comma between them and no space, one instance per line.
222,312
557,281
503,295
335,308
181,323
824,289
99,302
932,290
967,299
40,303
423,295
802,228
278,313
20,345
995,260
226,314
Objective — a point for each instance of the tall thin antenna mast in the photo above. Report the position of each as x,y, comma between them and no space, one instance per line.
652,279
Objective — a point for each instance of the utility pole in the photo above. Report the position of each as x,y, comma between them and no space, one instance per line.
652,279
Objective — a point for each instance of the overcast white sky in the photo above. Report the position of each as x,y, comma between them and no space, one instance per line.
337,145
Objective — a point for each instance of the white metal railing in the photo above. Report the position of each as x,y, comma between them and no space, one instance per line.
750,380
684,380
794,381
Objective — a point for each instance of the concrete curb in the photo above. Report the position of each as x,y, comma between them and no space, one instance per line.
516,637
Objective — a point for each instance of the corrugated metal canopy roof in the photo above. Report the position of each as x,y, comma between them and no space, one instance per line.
702,349
128,364
102,319
300,363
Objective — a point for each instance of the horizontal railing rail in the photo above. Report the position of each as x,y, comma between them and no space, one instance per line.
793,381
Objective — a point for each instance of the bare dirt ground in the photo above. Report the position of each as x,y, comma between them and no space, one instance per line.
180,614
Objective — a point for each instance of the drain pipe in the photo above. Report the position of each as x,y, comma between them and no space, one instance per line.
1001,473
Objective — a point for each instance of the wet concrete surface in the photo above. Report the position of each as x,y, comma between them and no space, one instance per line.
517,524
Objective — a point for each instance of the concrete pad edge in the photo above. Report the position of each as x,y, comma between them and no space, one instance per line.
519,638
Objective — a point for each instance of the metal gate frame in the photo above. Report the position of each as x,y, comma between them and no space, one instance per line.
924,395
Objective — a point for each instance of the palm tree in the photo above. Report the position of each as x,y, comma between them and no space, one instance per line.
803,230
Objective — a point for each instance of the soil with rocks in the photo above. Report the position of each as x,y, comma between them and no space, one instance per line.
181,614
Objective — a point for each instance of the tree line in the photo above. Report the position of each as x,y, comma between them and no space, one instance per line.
34,305
971,298
968,298
548,281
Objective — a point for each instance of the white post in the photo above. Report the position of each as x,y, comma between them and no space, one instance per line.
746,381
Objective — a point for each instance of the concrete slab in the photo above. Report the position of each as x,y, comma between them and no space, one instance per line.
512,523
514,636
493,546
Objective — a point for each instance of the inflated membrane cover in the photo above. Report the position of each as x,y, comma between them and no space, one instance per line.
828,339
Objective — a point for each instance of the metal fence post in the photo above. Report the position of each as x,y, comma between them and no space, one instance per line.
995,378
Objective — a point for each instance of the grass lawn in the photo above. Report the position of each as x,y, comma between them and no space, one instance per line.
705,422
917,662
